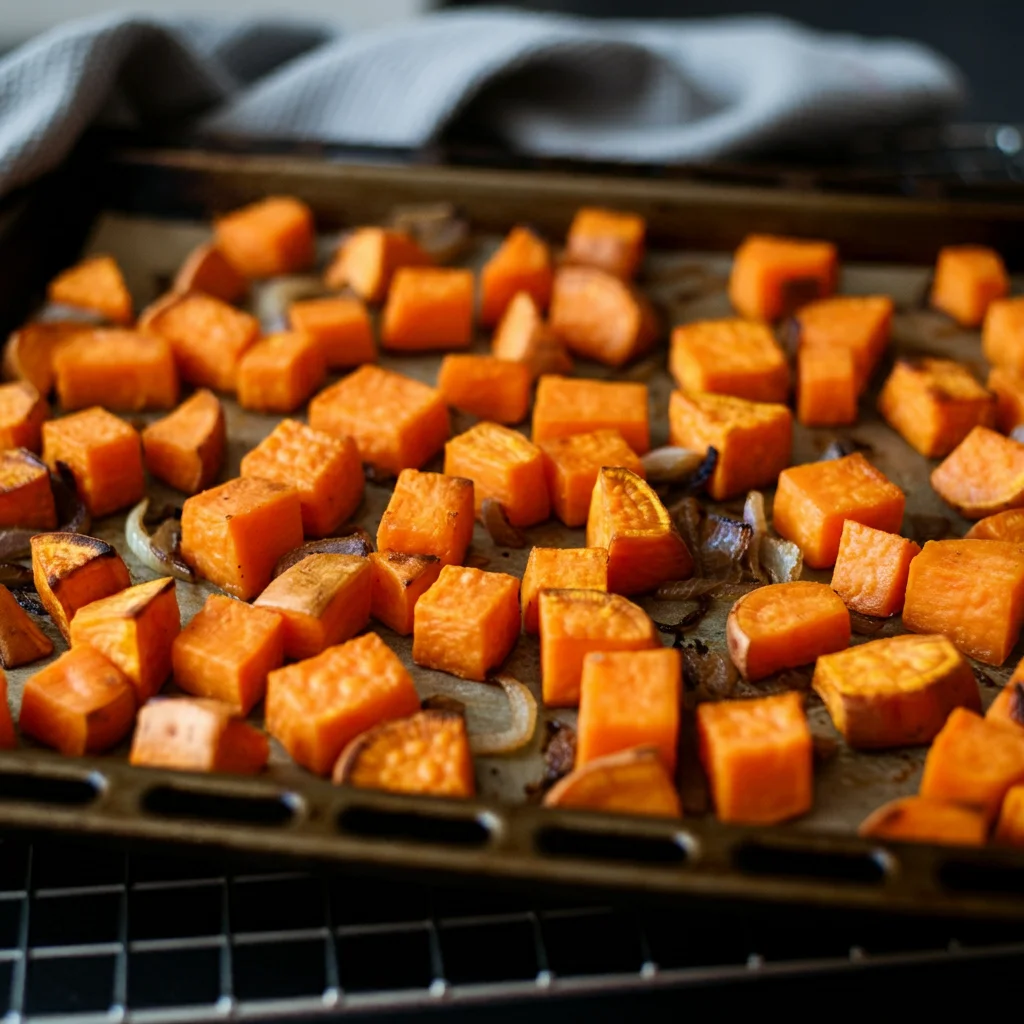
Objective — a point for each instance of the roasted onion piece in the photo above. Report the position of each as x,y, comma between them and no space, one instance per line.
670,464
357,542
523,706
161,550
438,228
501,531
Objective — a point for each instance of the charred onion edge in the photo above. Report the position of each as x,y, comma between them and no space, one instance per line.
524,721
782,560
754,516
670,463
139,543
865,625
690,619
1016,707
501,531
356,542
29,600
16,577
701,476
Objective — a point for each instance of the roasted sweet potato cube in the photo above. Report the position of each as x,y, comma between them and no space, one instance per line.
206,269
399,581
1008,525
79,704
428,308
967,279
426,753
71,571
915,819
226,651
491,388
29,352
467,623
895,692
234,534
316,707
827,387
629,521
186,448
771,276
522,263
753,439
104,455
397,423
26,497
758,758
1008,389
872,569
367,260
814,500
21,640
859,324
269,237
523,337
429,514
1002,335
503,465
1009,829
324,469
608,239
340,326
729,357
280,372
1008,707
573,623
971,591
22,412
565,406
95,284
560,569
983,475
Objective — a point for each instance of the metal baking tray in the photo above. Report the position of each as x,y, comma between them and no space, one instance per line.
149,207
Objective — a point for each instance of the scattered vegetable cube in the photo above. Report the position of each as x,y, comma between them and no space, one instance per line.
827,387
872,568
95,284
272,236
428,308
26,497
1009,391
560,569
367,260
771,276
340,326
983,475
915,819
611,240
564,406
399,581
186,449
1002,334
280,372
523,337
488,387
967,279
429,514
206,269
521,264
22,412
21,641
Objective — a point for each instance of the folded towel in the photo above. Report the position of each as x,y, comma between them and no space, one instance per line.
643,92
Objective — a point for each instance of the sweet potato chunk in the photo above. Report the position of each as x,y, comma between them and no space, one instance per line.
753,439
1008,389
428,308
521,264
872,569
186,449
565,406
206,269
896,692
1007,525
429,514
630,782
26,497
1002,335
22,412
1010,827
280,372
21,640
523,337
491,388
397,423
316,707
502,465
729,357
611,240
71,571
1008,707
560,569
575,622
227,650
827,387
340,326
95,284
785,625
427,753
234,534
814,500
399,581
269,237
29,352
467,623
971,591
983,475
914,819
772,276
967,279
79,704
368,259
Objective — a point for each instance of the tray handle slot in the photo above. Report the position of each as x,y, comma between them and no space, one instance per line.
182,802
848,866
967,876
416,826
59,790
594,844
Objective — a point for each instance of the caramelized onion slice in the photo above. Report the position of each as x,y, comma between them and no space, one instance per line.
523,706
782,560
159,551
754,516
502,532
358,542
670,464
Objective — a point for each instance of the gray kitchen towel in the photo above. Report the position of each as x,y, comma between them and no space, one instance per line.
547,85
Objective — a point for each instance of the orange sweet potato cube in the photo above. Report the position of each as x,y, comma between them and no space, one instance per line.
630,699
1009,391
399,581
206,269
859,324
26,497
608,239
429,514
234,534
729,357
872,568
104,455
325,471
280,372
1009,829
827,387
186,448
758,758
967,279
560,569
565,406
771,276
983,475
503,465
1002,334
269,237
491,388
226,651
367,260
521,264
814,500
95,284
315,707
428,308
524,337
28,354
340,326
753,439
397,423
22,412
934,404
467,623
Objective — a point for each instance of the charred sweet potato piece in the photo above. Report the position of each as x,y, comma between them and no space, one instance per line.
729,357
427,753
227,650
467,623
29,352
429,514
134,629
397,423
521,264
192,734
316,707
71,571
503,465
629,521
1007,525
565,406
630,782
575,622
758,758
611,240
80,704
22,412
206,269
971,591
26,497
186,448
983,475
914,819
753,439
895,692
491,388
1002,335
967,279
827,387
872,569
234,534
523,337
367,260
340,326
773,276
399,581
21,640
280,372
560,569
859,324
1008,389
428,308
269,237
95,284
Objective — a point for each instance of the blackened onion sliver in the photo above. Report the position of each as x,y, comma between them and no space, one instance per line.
29,600
501,531
689,620
358,542
702,475
16,577
71,511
